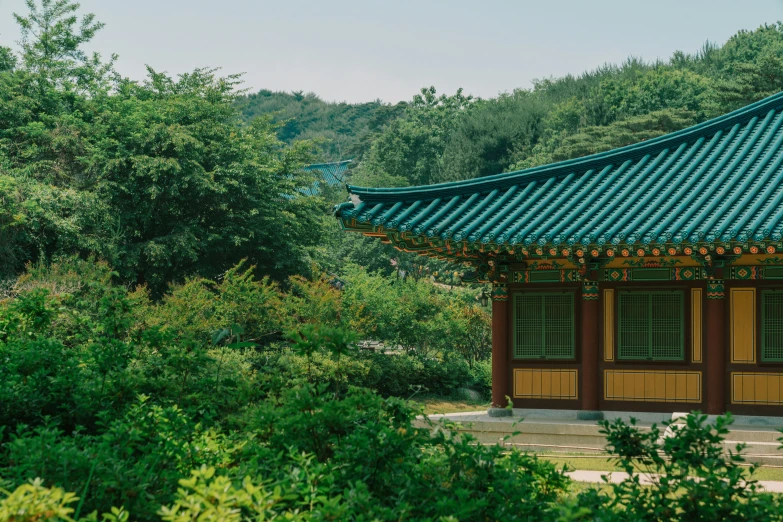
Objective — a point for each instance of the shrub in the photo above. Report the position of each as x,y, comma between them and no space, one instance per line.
195,309
482,377
381,466
399,375
692,479
135,462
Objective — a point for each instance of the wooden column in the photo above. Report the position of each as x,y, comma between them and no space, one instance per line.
715,353
591,382
500,336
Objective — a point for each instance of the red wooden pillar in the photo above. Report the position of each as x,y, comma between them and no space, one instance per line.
715,317
591,382
499,350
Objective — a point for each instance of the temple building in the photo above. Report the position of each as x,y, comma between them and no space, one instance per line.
646,278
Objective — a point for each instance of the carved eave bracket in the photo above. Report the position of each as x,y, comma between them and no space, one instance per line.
488,268
714,263
593,266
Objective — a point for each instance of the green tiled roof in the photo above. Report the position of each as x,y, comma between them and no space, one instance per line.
329,173
717,182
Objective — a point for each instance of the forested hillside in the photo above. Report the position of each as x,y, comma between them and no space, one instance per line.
342,130
182,326
434,138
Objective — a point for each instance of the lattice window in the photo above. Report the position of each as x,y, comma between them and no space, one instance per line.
772,325
651,326
544,326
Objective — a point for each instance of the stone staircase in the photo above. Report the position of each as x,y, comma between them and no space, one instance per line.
560,431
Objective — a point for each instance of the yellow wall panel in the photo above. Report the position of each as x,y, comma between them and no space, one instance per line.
736,389
545,383
756,388
554,384
670,390
638,385
649,385
681,385
660,386
773,390
629,381
743,325
749,388
652,385
760,388
523,386
696,328
609,325
692,385
536,386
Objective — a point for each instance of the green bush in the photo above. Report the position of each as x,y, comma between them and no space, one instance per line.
307,455
334,458
366,457
482,377
692,477
134,462
400,375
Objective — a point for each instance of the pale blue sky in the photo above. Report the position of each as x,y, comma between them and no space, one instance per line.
360,50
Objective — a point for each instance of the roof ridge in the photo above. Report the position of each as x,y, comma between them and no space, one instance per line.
313,165
584,163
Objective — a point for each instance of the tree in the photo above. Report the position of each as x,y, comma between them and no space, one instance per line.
7,59
161,179
594,139
342,130
411,147
486,135
749,83
51,45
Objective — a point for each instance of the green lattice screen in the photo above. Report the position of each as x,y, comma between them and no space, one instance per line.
772,325
544,326
650,325
634,338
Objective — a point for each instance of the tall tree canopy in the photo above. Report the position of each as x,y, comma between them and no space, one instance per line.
160,178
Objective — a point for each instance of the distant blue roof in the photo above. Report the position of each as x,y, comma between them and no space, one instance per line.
329,173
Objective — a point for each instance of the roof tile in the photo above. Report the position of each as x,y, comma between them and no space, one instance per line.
721,180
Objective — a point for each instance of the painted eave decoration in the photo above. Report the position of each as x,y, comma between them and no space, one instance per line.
714,189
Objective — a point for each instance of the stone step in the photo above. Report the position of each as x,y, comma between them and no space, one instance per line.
551,431
616,477
754,448
749,434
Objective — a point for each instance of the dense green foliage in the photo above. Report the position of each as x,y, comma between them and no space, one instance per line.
75,346
118,397
692,477
180,327
119,400
157,178
342,130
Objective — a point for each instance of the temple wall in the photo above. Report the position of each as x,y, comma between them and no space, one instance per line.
720,368
653,385
545,383
753,386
